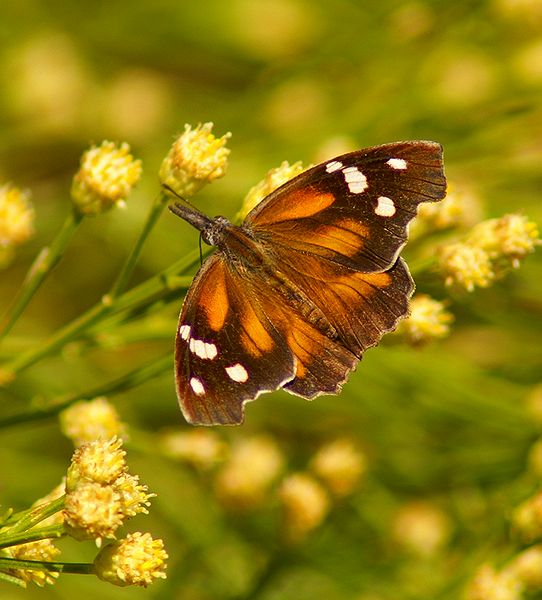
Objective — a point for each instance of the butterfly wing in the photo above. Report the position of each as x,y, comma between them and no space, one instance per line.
332,236
353,210
228,350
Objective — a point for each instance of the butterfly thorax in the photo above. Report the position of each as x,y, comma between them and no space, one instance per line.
252,256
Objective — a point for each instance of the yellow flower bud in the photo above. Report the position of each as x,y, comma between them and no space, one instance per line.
136,560
195,159
105,178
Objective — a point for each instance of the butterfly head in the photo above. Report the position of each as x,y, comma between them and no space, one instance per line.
212,230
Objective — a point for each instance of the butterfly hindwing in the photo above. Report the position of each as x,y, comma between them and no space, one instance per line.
227,350
353,210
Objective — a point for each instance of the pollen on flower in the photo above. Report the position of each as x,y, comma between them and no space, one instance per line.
340,465
427,320
245,478
41,550
100,461
87,421
273,180
135,560
16,216
134,497
92,511
105,178
466,266
305,504
511,237
195,159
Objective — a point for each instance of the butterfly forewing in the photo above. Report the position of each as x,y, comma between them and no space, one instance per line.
353,209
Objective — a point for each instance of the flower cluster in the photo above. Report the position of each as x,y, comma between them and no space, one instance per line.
100,493
491,249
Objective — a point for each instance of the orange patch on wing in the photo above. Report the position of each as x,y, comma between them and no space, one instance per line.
351,287
297,205
347,237
254,336
214,299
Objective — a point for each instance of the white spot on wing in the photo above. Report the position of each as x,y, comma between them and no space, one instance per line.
385,207
397,163
203,349
197,386
334,165
237,372
210,350
356,180
184,331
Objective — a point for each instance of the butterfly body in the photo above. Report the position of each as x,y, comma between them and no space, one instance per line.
294,295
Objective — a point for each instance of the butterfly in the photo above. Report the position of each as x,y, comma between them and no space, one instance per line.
293,296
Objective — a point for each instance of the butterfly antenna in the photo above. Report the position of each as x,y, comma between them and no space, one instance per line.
187,211
177,195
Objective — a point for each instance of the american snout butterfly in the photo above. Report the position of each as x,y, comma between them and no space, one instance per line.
294,295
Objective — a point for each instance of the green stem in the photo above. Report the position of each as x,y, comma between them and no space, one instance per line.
43,565
128,267
123,383
41,267
136,297
44,533
32,517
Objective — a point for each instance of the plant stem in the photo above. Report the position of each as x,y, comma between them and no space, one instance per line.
44,533
42,565
128,267
41,267
138,296
125,382
35,515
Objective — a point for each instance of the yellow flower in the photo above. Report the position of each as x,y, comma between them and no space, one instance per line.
101,461
16,216
340,465
466,266
527,567
273,180
196,158
245,478
92,511
527,518
510,237
133,496
87,421
42,550
105,178
136,560
427,320
305,503
489,584
422,528
199,447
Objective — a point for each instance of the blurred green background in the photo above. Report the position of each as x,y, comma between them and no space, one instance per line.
292,80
